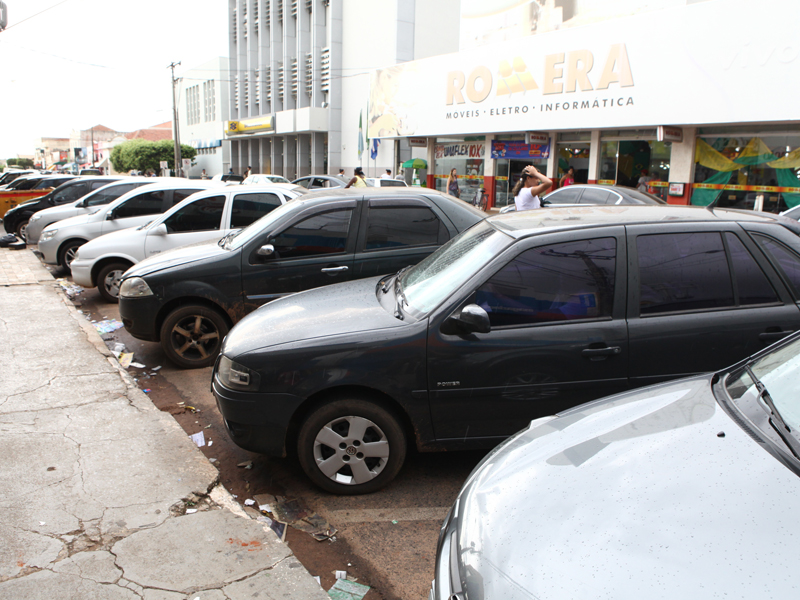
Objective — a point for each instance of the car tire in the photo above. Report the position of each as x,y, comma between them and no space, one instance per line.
192,335
108,280
66,254
21,228
332,440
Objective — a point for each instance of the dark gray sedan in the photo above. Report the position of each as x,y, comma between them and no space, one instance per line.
593,195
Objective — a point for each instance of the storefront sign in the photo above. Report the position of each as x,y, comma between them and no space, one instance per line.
418,142
519,150
458,151
605,75
537,138
669,134
676,189
265,123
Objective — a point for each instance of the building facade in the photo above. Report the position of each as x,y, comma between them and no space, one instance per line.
624,92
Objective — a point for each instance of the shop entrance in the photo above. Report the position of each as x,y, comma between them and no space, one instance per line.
508,172
635,162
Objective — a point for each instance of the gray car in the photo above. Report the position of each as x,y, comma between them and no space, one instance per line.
591,194
686,489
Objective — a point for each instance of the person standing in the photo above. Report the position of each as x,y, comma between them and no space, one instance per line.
358,179
341,174
203,175
248,171
568,178
644,181
387,175
527,189
452,184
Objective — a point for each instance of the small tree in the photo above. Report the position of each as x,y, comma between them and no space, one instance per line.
22,163
141,155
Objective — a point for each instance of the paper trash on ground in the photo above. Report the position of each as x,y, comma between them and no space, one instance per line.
199,439
125,359
108,325
347,590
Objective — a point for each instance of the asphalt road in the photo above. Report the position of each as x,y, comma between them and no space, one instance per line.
386,539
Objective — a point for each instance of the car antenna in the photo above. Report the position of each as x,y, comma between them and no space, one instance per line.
712,205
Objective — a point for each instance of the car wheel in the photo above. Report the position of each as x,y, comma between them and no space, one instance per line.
351,446
67,252
192,335
108,280
22,227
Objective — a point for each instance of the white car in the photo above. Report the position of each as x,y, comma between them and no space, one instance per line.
261,179
139,206
85,204
207,215
381,182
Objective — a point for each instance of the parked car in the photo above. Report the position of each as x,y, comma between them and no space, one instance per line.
12,174
792,213
228,178
16,220
100,196
206,215
38,182
675,490
316,182
190,297
522,316
137,207
378,182
582,194
261,179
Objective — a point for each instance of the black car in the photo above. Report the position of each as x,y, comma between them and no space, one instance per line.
16,220
188,298
582,194
522,316
38,182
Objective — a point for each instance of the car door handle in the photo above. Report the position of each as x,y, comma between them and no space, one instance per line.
600,353
771,336
334,269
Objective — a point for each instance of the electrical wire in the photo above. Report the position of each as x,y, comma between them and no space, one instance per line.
35,15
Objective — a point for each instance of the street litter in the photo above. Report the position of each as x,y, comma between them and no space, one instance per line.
156,368
207,426
249,502
296,514
344,589
199,439
210,442
70,289
340,574
316,578
190,511
137,365
146,390
125,359
118,348
213,460
108,325
247,464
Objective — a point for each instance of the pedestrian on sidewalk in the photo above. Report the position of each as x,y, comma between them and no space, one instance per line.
527,189
358,179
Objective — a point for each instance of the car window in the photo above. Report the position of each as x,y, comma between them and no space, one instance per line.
105,196
148,203
305,182
598,196
567,195
248,208
683,272
319,183
398,226
70,193
320,234
204,214
100,183
180,195
787,261
555,283
752,285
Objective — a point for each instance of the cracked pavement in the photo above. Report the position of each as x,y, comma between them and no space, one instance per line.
96,481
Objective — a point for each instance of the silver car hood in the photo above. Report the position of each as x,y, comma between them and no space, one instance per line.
634,496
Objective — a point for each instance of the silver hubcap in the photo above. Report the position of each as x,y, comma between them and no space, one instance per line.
112,281
69,256
195,338
351,450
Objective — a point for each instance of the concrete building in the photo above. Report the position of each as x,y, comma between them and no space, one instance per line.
52,152
203,107
300,78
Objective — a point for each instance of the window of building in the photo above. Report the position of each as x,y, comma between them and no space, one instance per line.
466,156
193,105
209,101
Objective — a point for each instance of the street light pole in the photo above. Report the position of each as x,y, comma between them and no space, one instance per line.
175,121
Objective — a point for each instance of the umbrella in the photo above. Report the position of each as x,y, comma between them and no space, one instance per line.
415,163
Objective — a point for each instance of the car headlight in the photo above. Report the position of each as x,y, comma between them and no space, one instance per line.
47,234
235,376
135,287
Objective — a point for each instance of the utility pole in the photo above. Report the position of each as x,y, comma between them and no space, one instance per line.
175,122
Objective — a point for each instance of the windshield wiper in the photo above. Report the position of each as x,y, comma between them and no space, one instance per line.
776,419
385,282
400,297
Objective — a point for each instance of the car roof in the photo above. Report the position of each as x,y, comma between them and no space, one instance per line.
533,222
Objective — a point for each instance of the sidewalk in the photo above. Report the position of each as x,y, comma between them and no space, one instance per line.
96,482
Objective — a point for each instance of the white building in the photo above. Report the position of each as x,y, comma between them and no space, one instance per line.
300,76
202,100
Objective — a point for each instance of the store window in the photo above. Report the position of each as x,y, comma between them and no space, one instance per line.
511,155
466,156
638,161
753,172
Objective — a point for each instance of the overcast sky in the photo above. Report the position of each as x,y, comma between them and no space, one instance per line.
73,64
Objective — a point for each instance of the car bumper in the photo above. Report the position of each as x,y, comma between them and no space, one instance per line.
139,316
256,422
82,272
32,232
48,251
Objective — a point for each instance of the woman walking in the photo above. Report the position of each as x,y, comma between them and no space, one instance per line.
452,184
358,179
527,189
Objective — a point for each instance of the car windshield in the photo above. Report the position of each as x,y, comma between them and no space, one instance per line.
779,372
434,279
248,233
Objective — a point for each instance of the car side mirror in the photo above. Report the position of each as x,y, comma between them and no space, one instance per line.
471,319
111,215
266,250
160,229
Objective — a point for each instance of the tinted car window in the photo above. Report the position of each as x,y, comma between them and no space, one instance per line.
71,193
397,226
305,182
597,196
752,285
180,195
148,203
325,233
787,261
684,271
561,282
248,208
201,215
567,195
106,196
